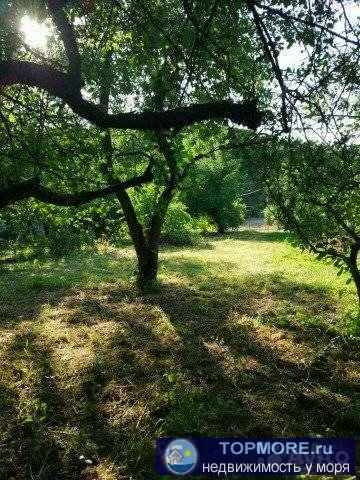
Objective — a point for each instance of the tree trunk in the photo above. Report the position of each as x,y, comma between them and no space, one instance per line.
147,256
219,225
354,269
146,245
357,284
220,229
148,260
356,278
216,216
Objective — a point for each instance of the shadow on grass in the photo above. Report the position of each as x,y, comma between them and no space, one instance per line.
191,373
247,357
37,454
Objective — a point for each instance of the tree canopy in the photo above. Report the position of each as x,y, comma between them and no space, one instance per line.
128,93
315,192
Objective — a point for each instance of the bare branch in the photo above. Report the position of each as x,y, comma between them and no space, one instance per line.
309,23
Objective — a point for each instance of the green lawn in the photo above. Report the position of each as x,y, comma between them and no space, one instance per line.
246,337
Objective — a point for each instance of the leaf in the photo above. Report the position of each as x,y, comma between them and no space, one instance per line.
11,118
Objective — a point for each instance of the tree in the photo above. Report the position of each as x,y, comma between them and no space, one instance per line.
176,159
214,188
133,68
124,54
67,86
316,194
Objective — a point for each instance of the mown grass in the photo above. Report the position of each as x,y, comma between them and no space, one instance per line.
246,337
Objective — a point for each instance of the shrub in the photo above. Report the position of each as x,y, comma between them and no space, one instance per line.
178,227
203,224
66,239
214,188
270,215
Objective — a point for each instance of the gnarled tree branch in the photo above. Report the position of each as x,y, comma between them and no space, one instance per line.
32,188
66,31
65,87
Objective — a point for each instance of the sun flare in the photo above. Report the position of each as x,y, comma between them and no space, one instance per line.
35,34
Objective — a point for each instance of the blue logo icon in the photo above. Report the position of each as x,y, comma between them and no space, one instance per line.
180,456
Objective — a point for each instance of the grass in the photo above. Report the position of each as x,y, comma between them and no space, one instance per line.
247,337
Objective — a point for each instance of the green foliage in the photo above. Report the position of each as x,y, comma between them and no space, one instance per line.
316,195
203,224
352,321
191,411
214,189
144,201
37,414
66,240
269,215
58,231
179,226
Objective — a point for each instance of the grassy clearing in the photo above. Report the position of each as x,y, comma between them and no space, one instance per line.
247,337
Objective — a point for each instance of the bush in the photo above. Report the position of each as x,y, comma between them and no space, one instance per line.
269,215
203,224
214,188
178,227
65,240
45,228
